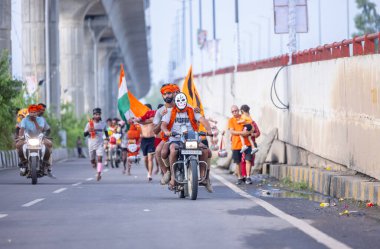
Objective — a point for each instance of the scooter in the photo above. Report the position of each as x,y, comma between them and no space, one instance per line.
34,152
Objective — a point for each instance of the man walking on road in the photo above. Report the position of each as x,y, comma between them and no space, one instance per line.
236,131
147,143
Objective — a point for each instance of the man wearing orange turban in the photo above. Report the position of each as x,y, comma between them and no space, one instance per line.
167,91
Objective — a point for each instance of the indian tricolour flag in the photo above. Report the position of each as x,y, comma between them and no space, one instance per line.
123,103
128,105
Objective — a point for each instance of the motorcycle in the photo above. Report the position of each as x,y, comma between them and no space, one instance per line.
114,151
187,167
34,152
133,152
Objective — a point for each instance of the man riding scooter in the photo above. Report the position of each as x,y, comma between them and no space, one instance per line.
34,125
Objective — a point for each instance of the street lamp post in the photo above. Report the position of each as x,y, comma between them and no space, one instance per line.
269,36
258,39
214,35
249,34
47,54
237,59
348,19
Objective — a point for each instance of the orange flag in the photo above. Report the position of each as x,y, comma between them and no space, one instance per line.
138,108
192,95
191,92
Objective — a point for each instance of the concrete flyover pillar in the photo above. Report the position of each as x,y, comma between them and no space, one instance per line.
55,86
88,71
34,49
103,85
108,83
33,35
113,77
72,61
114,62
5,25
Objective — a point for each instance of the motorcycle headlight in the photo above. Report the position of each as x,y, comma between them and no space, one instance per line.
34,141
191,145
132,147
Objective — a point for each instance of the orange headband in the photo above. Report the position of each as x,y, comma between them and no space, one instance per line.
167,88
33,108
175,88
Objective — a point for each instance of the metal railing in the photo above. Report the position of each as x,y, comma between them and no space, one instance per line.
362,45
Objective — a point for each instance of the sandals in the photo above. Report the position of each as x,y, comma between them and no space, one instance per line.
171,186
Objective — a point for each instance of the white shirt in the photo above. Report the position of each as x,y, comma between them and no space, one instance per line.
182,119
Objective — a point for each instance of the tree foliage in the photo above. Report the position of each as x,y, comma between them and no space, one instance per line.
368,21
73,126
13,96
10,89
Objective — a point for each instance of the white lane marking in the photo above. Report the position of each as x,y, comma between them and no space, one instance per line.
76,184
3,215
59,190
300,224
32,202
146,210
106,170
89,179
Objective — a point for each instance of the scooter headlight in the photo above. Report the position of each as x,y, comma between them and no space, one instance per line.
33,142
191,145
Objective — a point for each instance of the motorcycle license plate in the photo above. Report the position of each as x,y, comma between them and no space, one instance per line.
30,147
191,152
33,154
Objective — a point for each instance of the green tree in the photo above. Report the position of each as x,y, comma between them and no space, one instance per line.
368,21
10,89
73,126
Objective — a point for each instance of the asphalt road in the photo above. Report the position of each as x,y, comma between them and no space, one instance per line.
120,211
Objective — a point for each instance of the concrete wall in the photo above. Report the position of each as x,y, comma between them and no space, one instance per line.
334,107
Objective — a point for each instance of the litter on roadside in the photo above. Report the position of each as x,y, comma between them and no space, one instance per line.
345,212
369,204
324,204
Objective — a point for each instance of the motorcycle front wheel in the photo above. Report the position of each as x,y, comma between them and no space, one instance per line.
192,181
33,169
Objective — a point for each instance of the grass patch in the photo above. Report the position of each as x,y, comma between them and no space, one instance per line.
286,182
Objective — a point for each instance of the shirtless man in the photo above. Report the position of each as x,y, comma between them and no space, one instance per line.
147,143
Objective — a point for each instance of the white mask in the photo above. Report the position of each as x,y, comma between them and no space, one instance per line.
180,101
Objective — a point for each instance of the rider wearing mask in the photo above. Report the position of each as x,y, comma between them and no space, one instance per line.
34,125
183,115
